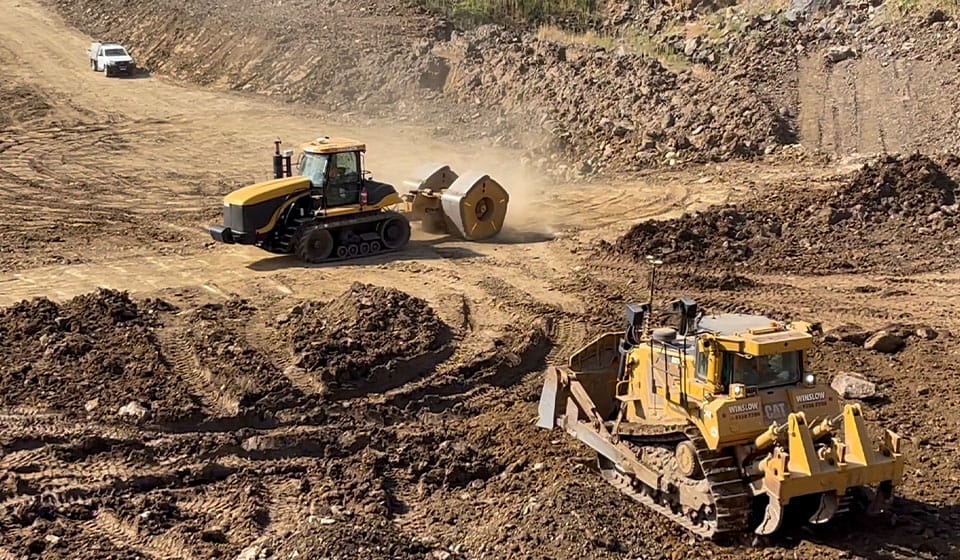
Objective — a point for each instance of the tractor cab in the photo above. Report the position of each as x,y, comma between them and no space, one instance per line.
334,168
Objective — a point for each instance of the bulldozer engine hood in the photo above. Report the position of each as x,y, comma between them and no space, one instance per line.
251,211
730,421
764,344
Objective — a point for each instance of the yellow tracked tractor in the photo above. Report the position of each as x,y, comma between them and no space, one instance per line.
332,210
719,422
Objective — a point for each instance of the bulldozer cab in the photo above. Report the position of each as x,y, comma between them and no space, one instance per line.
761,372
334,169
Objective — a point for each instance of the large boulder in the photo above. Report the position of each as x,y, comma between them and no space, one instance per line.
851,334
885,342
853,386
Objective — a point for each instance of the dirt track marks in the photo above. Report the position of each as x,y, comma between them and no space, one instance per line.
870,105
197,378
124,535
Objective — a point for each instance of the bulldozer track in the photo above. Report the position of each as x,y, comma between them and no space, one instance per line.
19,460
142,273
670,198
303,380
730,496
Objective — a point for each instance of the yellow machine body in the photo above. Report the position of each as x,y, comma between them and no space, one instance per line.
332,210
732,396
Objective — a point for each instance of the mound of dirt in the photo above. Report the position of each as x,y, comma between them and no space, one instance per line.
726,282
721,234
277,51
701,84
574,96
895,214
20,104
368,335
96,352
910,188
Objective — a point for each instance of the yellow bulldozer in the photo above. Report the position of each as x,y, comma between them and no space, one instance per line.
719,422
332,209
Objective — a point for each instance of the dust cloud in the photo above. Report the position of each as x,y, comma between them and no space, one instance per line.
394,154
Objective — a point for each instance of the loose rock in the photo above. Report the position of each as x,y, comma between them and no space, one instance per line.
853,386
884,342
134,411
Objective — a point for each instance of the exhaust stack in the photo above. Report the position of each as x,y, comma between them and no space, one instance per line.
282,164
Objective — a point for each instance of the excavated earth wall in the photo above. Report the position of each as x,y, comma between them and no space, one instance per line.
724,87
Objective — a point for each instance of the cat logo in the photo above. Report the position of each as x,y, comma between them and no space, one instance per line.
775,411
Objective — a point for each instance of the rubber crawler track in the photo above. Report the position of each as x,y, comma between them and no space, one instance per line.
288,238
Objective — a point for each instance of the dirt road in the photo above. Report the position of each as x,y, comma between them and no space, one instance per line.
156,157
109,183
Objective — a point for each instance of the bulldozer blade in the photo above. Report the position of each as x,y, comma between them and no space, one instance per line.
476,205
829,504
771,518
548,399
433,177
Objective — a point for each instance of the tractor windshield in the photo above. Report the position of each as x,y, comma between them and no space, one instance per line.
762,371
314,167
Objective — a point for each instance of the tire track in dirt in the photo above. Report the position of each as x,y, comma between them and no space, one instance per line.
135,273
183,358
627,202
124,535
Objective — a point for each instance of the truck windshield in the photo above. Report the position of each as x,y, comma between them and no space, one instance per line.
314,167
115,52
762,371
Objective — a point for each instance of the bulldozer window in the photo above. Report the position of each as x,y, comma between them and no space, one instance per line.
702,362
762,371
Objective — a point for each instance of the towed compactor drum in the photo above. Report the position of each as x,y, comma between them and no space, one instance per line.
472,206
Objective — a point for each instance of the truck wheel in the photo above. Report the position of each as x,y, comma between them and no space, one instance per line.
314,245
106,70
93,65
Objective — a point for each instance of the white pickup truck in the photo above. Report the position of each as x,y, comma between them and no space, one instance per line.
111,59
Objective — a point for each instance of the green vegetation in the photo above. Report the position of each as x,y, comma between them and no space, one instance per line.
632,41
656,48
476,12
